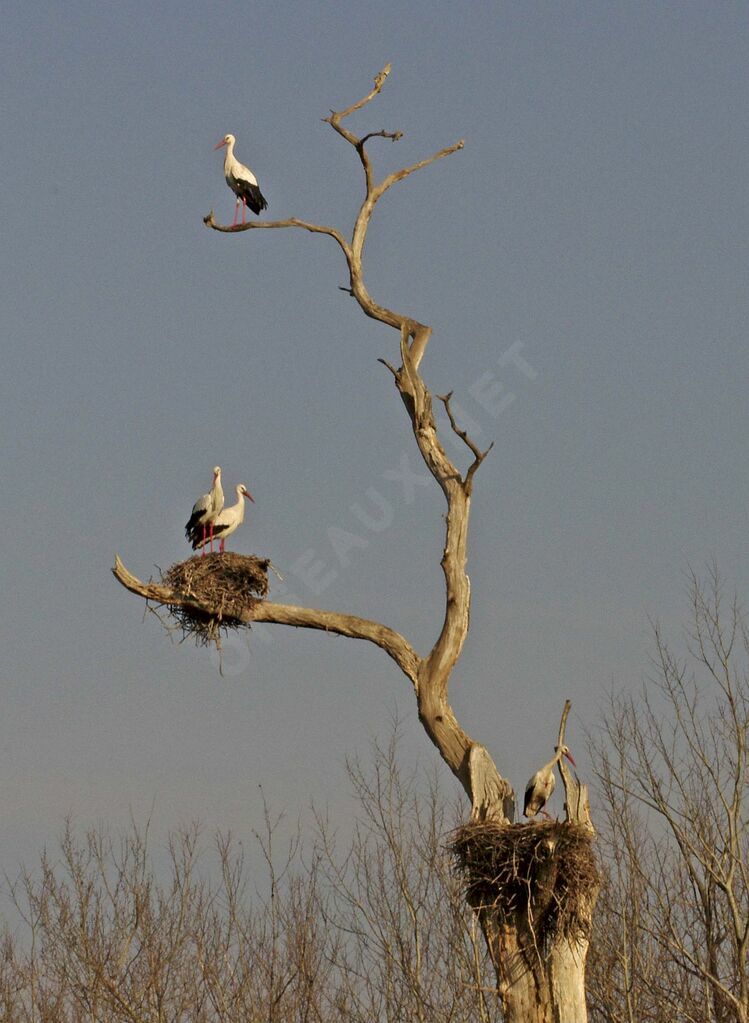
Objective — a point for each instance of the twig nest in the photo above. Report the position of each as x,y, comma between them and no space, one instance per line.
225,588
540,876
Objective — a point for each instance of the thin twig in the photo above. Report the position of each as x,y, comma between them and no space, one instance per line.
392,368
478,454
336,116
395,136
399,175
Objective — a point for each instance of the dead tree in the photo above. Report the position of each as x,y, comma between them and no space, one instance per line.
537,945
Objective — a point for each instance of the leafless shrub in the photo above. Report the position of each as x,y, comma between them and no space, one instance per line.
371,928
672,932
412,950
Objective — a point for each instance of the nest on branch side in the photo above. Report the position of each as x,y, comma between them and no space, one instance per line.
541,877
226,586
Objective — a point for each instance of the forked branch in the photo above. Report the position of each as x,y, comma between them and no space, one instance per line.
337,116
478,454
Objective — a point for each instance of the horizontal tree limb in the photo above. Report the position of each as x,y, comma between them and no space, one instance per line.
395,645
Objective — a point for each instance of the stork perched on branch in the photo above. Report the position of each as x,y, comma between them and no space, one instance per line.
241,181
199,526
539,789
229,520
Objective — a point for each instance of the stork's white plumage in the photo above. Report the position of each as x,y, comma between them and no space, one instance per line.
241,181
539,789
199,527
230,519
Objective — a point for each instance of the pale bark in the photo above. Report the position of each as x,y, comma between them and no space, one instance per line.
546,986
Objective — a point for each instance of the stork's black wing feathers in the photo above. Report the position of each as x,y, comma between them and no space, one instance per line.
219,528
527,798
252,196
191,526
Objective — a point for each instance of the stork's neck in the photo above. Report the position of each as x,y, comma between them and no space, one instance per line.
229,156
239,507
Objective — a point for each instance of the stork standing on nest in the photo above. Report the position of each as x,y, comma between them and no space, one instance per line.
204,512
539,789
229,520
241,181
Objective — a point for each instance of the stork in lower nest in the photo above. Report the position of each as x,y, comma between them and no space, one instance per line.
539,789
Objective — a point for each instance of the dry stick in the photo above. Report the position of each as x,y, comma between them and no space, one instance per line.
563,722
478,454
395,136
575,793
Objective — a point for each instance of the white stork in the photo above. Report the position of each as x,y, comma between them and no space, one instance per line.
241,181
540,787
229,520
204,511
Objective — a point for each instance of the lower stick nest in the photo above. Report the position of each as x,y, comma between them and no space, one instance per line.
541,877
226,586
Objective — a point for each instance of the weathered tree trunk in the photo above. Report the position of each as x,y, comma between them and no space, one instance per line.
536,985
553,991
533,888
540,976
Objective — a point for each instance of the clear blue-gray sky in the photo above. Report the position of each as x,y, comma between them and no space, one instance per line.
586,251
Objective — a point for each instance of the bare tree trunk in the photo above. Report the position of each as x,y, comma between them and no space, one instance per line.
534,887
552,991
534,984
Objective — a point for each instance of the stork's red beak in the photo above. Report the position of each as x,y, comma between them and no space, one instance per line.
248,494
220,144
571,759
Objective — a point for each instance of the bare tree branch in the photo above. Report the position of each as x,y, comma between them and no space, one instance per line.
337,116
344,625
394,136
399,175
478,454
577,802
286,614
255,225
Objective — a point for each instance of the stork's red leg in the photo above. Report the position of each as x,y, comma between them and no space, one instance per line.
221,547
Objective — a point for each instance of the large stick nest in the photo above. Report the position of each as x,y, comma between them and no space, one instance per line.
225,586
540,877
